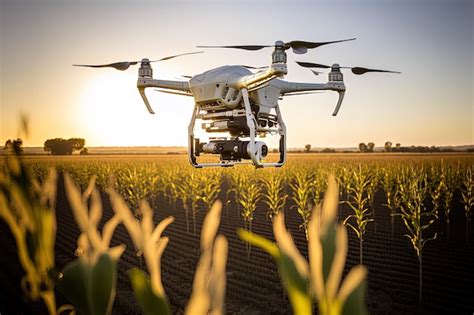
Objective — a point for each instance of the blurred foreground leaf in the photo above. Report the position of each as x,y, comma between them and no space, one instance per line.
90,287
148,301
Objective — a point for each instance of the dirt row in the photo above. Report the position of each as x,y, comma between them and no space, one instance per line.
253,285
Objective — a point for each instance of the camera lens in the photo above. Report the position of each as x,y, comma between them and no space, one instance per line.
220,148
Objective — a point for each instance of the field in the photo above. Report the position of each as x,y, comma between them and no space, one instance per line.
434,184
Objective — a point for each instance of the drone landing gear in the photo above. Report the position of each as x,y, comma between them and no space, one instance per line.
233,151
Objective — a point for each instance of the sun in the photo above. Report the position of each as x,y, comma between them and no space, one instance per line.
112,113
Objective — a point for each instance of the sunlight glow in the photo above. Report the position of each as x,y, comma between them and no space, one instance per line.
113,114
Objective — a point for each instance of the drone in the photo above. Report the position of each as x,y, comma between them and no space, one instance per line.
240,107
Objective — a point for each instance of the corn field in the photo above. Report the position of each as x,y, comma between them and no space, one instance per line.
408,218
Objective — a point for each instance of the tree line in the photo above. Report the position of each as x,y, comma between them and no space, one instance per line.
56,146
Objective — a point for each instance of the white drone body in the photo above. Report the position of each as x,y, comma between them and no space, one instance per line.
242,105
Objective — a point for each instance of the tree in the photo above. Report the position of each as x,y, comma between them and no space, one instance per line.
362,147
370,147
398,147
328,150
388,146
307,148
59,146
16,145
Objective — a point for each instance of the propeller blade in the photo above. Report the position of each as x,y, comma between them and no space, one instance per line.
123,65
316,72
251,67
174,56
245,47
355,70
300,47
360,70
312,65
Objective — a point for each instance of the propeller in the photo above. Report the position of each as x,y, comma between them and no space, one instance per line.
316,72
124,65
298,46
255,68
355,70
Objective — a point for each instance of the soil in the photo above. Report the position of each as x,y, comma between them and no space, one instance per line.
253,285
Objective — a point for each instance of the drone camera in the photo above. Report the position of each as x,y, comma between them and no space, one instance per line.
233,150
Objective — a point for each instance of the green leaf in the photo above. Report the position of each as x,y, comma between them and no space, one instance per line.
329,250
355,302
260,242
90,288
74,285
148,301
296,285
104,278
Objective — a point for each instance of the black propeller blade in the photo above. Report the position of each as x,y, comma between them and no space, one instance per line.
360,70
316,72
245,47
255,68
124,65
301,47
355,70
298,46
174,56
312,65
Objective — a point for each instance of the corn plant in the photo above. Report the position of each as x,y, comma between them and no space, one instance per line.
210,188
317,187
28,208
417,220
184,186
467,194
172,191
194,197
301,190
249,195
210,279
371,191
89,281
452,183
147,240
389,184
437,188
319,279
235,180
358,202
275,197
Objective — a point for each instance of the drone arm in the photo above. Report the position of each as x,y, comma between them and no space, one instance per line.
143,83
182,86
256,80
289,87
338,86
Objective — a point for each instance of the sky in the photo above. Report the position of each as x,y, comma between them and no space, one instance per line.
430,42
